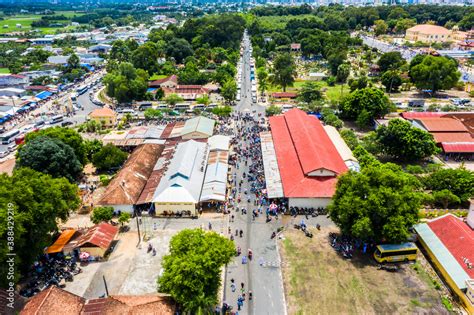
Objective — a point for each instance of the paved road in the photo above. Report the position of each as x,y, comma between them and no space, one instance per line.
79,116
265,282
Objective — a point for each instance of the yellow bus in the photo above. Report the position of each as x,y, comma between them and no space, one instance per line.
396,252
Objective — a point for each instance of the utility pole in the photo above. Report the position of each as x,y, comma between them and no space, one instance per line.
138,229
105,284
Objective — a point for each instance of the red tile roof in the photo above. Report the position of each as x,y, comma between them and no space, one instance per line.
284,95
302,146
100,235
158,83
452,137
151,304
440,124
190,89
458,147
457,237
54,300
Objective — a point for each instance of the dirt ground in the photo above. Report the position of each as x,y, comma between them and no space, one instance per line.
319,281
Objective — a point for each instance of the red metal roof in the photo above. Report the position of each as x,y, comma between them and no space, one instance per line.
441,124
415,115
457,237
452,137
458,147
302,146
100,235
284,95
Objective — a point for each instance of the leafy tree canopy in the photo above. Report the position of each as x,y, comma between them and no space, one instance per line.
50,156
380,203
102,214
404,142
108,157
192,269
67,135
38,201
434,73
372,101
458,181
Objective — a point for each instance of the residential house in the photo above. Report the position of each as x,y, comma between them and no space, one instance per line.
105,116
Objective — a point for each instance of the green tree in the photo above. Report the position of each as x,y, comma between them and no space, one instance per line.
39,202
124,217
404,142
222,111
372,101
343,72
350,138
67,135
390,61
392,80
203,100
73,62
92,147
146,57
151,113
459,181
309,92
272,110
50,156
435,73
173,99
229,91
283,71
102,214
197,256
108,157
445,198
179,49
378,204
380,27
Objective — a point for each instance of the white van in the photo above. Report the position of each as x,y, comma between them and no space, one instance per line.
12,147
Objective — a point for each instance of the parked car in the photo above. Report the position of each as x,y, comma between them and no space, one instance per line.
4,154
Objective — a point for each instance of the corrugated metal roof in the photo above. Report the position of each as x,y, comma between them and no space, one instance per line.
452,137
300,140
458,237
127,185
270,166
219,142
100,235
440,124
199,124
184,178
341,146
62,240
458,147
442,254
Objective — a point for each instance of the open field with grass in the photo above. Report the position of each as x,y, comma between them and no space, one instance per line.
319,281
4,71
8,24
279,22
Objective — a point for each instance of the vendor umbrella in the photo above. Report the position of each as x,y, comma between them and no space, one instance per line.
84,255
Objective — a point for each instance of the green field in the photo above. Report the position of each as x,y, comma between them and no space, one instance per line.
8,24
4,71
279,22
